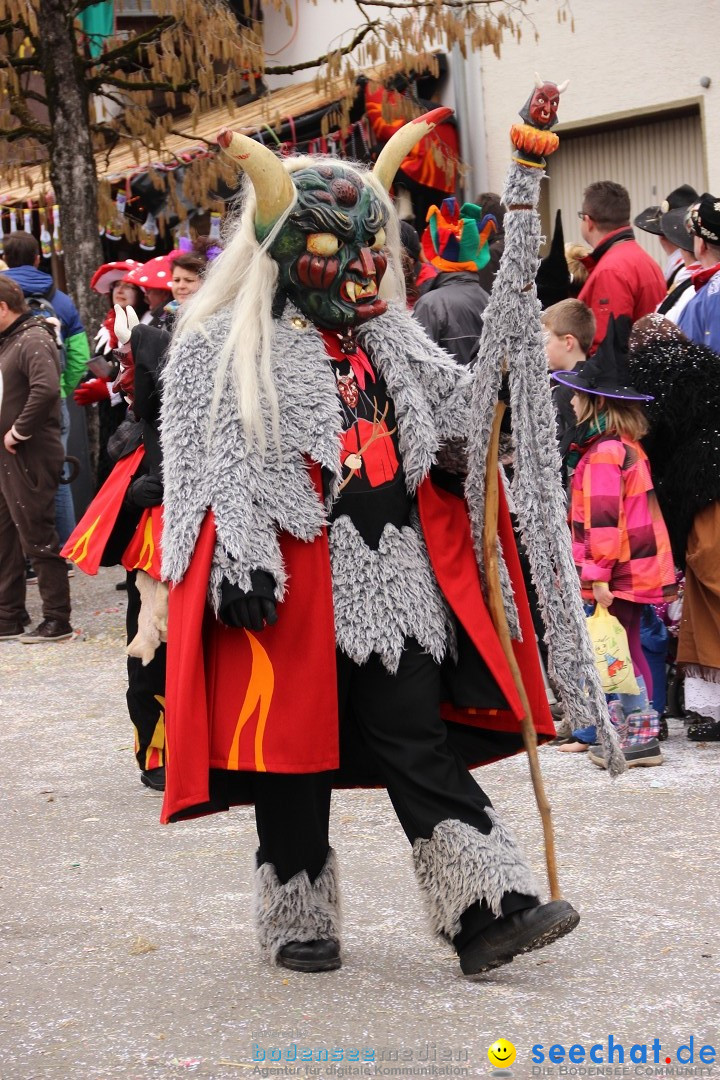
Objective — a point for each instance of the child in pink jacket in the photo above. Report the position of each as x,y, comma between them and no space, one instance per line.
620,542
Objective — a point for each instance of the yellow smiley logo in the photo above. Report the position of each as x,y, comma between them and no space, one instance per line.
501,1054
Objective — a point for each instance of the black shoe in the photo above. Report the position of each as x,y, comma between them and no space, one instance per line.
11,630
153,778
70,568
702,729
30,574
121,586
310,956
532,928
48,630
663,732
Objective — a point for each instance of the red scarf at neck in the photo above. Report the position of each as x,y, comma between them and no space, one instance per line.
359,362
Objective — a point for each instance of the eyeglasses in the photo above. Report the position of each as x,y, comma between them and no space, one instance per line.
582,214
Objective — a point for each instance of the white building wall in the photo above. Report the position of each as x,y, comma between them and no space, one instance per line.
624,57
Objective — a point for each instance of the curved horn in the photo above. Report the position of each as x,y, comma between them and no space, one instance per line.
563,86
538,82
401,143
274,190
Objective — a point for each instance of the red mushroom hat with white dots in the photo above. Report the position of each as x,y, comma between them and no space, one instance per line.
154,274
106,275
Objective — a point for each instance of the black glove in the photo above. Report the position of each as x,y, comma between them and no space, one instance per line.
145,491
252,610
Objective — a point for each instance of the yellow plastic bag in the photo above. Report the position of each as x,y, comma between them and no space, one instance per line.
612,654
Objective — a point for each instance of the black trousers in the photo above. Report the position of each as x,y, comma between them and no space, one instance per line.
398,719
146,691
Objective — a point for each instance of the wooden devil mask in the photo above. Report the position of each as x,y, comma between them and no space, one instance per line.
330,248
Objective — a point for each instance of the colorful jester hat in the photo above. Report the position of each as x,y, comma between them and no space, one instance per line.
325,222
457,237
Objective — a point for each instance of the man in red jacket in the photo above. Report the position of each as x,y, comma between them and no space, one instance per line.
624,279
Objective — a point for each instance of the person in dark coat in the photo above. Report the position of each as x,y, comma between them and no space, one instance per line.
450,309
492,204
684,451
31,461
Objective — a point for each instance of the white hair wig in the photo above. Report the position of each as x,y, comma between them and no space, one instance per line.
243,279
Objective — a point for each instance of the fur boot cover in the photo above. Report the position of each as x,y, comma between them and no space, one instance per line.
152,620
299,910
459,865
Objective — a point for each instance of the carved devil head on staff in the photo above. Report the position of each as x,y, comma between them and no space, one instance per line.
540,109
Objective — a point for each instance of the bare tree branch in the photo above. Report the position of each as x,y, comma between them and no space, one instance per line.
129,48
21,132
289,69
33,95
145,84
18,108
195,138
20,63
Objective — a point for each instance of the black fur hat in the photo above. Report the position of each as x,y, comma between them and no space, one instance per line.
704,219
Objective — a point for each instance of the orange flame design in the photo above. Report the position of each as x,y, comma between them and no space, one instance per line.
148,547
155,751
258,695
82,544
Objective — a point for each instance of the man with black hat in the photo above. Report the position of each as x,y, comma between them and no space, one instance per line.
700,321
650,221
681,292
624,279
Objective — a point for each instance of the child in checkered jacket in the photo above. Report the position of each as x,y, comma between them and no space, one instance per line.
620,541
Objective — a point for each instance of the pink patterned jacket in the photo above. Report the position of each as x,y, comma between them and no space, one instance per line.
619,535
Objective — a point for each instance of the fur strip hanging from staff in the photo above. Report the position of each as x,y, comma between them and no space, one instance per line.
512,345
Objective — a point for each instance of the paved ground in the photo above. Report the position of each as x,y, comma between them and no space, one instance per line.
126,948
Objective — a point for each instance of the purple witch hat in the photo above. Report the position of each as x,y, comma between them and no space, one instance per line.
607,371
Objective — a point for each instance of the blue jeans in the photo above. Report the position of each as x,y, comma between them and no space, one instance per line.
64,508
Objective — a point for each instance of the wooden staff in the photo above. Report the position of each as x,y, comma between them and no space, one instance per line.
499,618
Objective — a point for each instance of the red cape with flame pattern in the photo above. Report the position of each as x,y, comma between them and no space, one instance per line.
238,701
86,543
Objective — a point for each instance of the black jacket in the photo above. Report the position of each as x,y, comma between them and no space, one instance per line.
450,310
